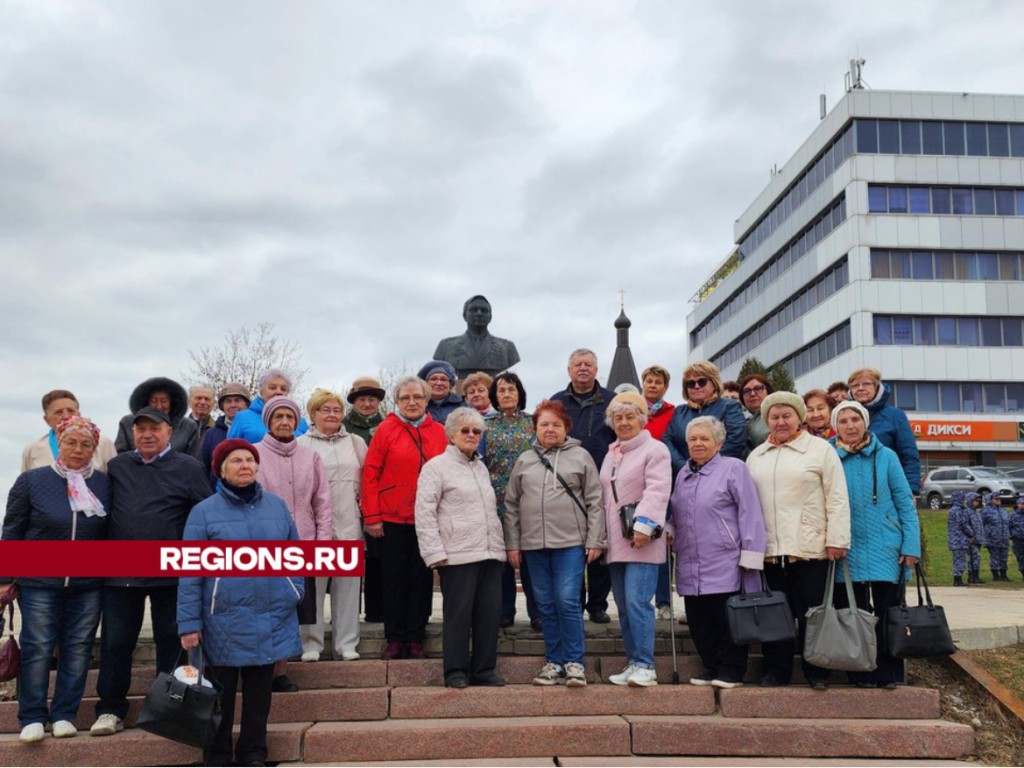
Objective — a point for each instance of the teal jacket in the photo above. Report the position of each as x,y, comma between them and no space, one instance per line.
883,518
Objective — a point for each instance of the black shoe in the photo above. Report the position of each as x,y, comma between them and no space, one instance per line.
958,581
818,685
507,621
600,617
283,684
889,686
456,681
864,684
491,680
536,625
771,680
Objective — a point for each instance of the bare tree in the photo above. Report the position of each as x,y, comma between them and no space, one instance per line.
388,375
243,357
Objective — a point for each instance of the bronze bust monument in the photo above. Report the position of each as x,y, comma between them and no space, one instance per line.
476,349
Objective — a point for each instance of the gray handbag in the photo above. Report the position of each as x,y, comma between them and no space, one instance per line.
841,638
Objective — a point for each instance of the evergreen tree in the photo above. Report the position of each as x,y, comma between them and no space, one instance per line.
751,365
780,379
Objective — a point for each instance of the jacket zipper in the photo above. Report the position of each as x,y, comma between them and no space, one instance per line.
213,598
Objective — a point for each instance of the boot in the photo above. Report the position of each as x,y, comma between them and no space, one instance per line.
973,578
1002,575
995,575
958,581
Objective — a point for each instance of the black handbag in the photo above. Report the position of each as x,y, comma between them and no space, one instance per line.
759,617
189,714
920,631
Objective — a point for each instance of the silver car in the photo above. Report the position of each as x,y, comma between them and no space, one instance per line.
938,487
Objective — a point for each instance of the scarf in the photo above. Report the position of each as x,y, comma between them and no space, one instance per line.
81,498
824,433
244,492
773,441
864,443
340,434
653,408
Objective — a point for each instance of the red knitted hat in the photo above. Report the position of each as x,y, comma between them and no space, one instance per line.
220,453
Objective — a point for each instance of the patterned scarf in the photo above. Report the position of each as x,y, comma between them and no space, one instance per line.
80,497
864,443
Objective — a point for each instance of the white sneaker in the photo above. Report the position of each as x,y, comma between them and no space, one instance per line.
64,729
550,674
575,677
350,656
643,677
106,725
623,677
311,656
664,612
719,683
32,733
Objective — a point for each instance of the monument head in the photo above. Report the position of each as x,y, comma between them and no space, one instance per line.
477,313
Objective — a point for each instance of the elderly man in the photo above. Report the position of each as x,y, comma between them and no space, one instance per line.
153,489
57,405
170,397
200,401
440,376
476,349
233,398
586,400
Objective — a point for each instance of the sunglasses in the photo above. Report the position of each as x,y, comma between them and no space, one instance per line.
696,383
470,431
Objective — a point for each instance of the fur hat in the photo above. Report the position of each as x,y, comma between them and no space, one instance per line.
280,401
220,453
846,404
791,399
179,397
365,385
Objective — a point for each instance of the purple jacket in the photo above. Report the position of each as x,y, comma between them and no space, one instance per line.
718,527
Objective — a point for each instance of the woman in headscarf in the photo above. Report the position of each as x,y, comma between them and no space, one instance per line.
67,501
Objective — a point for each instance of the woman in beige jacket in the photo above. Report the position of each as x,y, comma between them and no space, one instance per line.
802,489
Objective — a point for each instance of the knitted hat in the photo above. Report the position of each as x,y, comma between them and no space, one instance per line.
234,388
630,398
434,366
280,401
791,399
846,404
225,447
365,385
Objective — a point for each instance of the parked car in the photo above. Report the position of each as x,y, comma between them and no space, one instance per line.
1013,476
939,485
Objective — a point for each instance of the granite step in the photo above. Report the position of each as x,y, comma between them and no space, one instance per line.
135,747
778,737
904,703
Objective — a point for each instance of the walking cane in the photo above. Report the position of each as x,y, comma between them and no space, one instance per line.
671,615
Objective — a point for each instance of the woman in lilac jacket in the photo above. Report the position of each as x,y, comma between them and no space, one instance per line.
636,471
717,534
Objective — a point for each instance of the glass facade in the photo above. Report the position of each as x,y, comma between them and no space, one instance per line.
798,305
958,396
962,201
946,330
939,137
819,351
946,265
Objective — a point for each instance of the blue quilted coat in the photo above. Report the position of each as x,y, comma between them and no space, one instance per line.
245,620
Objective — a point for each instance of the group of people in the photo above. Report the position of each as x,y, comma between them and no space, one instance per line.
977,521
595,492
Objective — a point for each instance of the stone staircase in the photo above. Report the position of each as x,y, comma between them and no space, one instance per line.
376,711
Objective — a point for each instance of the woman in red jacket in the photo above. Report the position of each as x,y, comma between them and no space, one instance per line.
402,444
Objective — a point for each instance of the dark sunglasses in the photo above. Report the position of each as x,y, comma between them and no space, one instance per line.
471,431
696,383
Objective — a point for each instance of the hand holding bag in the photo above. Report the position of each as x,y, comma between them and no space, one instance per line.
10,655
189,714
841,638
759,617
920,631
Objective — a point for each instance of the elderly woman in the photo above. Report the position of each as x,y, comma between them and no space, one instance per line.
406,441
702,389
295,472
170,397
554,517
718,537
888,423
66,501
655,381
363,418
343,456
249,424
754,388
802,490
819,406
885,534
476,390
637,473
459,534
509,435
255,619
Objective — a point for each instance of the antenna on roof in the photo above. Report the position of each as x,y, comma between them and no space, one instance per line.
822,108
854,78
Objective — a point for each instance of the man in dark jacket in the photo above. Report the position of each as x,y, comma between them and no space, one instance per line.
200,401
232,398
153,489
586,400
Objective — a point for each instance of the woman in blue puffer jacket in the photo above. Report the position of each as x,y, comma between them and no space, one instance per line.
245,623
888,423
885,533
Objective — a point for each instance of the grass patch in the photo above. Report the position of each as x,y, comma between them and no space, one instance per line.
1004,664
938,560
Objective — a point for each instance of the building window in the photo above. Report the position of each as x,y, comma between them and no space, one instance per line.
935,137
946,265
819,351
932,330
958,397
962,201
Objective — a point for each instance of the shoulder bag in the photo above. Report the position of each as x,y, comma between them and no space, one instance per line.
759,617
841,638
189,714
920,631
10,655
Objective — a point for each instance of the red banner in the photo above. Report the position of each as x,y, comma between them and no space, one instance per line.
145,559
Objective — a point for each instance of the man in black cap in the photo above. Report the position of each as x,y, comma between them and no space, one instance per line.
153,489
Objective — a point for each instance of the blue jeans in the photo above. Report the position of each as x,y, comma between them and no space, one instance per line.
633,586
556,576
663,594
50,617
508,591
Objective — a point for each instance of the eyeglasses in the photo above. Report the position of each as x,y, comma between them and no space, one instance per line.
411,399
754,390
471,431
696,383
330,411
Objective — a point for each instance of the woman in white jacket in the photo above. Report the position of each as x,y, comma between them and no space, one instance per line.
459,533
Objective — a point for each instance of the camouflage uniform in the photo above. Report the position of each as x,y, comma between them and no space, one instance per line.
973,503
959,534
997,535
1016,525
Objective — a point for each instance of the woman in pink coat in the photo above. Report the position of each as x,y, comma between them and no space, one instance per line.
637,472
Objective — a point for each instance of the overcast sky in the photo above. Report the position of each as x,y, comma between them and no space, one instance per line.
353,171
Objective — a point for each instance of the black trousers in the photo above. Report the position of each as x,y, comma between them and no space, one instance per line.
252,737
472,609
709,628
408,585
373,581
803,582
877,597
598,584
